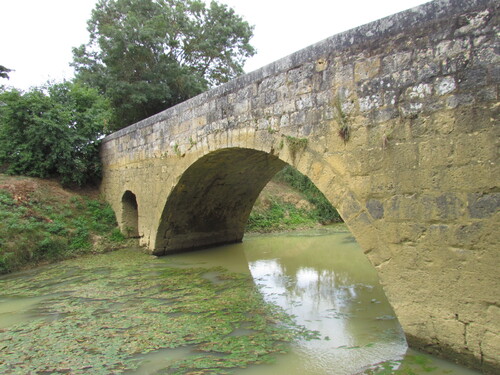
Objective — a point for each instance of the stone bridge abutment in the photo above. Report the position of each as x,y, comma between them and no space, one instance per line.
396,122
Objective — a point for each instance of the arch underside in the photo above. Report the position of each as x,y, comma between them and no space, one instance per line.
130,220
211,202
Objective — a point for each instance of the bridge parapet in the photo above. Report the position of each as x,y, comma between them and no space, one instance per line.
396,122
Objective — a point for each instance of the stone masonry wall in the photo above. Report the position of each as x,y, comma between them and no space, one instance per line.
416,180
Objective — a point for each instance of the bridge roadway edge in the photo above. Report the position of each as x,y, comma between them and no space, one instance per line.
408,19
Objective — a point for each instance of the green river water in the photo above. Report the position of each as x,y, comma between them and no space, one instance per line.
304,303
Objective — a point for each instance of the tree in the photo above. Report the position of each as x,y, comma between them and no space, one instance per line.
53,132
148,55
4,72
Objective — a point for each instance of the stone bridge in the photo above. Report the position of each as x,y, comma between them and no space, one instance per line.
396,122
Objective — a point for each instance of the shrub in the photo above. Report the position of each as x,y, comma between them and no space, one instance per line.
53,131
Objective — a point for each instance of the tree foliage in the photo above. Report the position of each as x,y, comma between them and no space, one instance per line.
4,72
53,132
148,55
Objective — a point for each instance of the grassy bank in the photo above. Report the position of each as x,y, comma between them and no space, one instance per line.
290,201
41,222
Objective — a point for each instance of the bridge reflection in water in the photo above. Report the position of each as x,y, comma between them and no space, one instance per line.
324,279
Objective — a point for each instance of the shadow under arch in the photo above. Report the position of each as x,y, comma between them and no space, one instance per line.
211,202
130,215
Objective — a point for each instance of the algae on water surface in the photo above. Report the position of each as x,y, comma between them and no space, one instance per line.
100,313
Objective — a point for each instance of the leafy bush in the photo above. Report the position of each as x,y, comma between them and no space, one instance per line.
53,132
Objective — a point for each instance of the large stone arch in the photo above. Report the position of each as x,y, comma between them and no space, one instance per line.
212,200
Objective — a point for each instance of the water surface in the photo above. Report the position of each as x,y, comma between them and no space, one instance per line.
127,312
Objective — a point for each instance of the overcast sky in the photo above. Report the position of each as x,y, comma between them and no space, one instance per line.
36,36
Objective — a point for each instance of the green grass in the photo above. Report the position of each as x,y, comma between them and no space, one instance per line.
324,212
47,229
280,216
285,216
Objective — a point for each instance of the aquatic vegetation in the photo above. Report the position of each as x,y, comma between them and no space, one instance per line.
100,313
410,365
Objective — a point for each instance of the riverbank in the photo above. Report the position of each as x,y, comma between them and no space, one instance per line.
290,201
41,222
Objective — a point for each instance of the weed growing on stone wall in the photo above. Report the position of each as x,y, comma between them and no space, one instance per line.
386,137
282,144
177,150
295,145
342,119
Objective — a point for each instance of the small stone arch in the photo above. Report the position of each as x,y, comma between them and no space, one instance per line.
130,215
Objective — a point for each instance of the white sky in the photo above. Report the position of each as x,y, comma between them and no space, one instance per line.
36,36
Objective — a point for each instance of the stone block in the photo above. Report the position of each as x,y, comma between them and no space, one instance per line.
375,208
401,208
396,62
452,48
473,78
366,69
450,330
472,23
474,148
380,116
435,152
467,235
368,103
444,85
449,207
343,76
473,177
403,78
483,205
428,70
